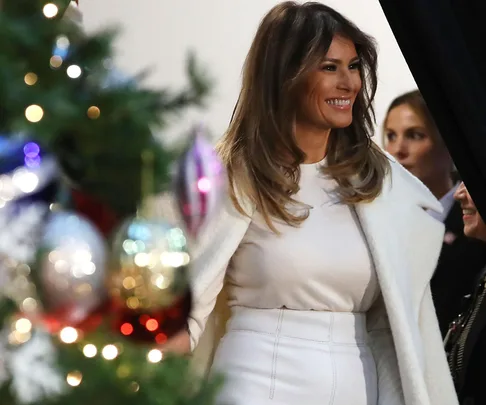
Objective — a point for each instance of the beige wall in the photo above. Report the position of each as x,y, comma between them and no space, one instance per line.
157,34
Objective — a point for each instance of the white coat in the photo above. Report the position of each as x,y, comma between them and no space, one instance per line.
405,242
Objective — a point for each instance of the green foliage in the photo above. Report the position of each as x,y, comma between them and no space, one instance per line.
101,156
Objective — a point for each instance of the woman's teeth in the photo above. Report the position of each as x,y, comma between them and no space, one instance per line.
338,101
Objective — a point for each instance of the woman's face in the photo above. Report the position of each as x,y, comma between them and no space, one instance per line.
474,226
415,146
329,92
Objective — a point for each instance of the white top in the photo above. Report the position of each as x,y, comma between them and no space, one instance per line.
447,201
322,265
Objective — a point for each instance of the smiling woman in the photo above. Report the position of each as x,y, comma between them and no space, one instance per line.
303,239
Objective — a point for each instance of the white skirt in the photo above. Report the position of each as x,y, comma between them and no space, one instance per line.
287,357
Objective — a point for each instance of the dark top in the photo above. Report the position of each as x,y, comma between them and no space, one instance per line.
466,348
460,263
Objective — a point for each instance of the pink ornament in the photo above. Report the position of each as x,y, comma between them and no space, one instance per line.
200,182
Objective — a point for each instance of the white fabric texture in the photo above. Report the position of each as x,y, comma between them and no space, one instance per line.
288,357
321,265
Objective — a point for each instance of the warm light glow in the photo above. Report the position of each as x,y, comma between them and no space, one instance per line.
161,338
50,10
90,350
142,259
174,259
134,386
143,319
74,71
34,113
94,112
204,185
129,283
126,329
109,352
154,356
152,325
69,335
30,79
29,304
133,303
74,378
56,61
17,338
23,325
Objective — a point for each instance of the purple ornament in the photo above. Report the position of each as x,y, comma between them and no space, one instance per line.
200,182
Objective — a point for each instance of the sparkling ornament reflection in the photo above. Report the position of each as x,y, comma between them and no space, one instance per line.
148,280
200,183
70,273
149,265
153,327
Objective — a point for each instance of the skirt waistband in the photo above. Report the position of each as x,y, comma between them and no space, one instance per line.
319,326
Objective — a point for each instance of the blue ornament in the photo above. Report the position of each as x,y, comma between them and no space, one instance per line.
27,171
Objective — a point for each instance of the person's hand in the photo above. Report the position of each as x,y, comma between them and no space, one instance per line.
178,344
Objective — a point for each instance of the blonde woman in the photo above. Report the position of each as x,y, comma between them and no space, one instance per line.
321,241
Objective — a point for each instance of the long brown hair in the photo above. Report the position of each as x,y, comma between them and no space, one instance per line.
259,149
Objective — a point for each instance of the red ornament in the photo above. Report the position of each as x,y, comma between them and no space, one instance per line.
153,327
54,322
100,214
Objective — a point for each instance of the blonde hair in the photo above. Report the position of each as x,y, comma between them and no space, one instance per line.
259,149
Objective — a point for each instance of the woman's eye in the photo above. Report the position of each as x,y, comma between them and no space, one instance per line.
329,68
416,136
355,66
390,136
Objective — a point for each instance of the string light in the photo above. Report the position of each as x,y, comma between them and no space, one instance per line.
109,352
23,325
154,356
152,325
133,302
50,10
68,335
24,180
74,378
29,304
74,71
126,329
94,112
30,79
56,61
17,338
90,350
161,338
134,386
34,113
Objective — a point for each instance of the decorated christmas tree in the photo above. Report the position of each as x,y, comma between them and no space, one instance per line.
92,280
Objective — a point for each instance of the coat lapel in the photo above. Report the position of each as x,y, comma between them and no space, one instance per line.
404,242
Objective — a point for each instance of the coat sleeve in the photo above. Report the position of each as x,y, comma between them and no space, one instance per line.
216,245
381,343
437,376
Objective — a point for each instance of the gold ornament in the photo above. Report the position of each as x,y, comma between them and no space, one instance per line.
149,263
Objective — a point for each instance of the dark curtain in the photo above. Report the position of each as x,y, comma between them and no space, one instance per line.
443,42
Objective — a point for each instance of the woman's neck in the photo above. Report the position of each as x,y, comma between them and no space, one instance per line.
440,188
312,141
